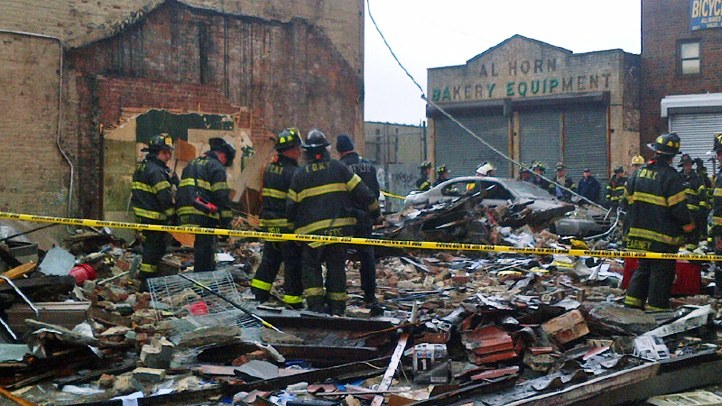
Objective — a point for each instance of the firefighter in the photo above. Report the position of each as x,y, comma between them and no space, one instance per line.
321,201
539,171
366,219
204,199
442,174
658,219
423,184
152,201
697,201
716,230
562,179
615,188
276,181
637,162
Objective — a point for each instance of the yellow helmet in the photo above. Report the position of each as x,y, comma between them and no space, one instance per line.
638,160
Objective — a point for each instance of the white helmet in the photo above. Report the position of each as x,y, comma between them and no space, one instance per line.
484,169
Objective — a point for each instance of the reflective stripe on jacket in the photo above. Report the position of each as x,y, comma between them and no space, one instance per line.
657,212
151,193
276,181
322,197
205,176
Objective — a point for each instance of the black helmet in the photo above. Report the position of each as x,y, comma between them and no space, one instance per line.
315,139
717,142
288,139
425,165
162,142
619,169
666,144
441,169
685,159
221,145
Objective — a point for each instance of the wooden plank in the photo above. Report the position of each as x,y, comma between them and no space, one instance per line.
391,370
17,399
19,271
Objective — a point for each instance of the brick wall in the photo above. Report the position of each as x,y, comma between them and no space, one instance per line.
664,23
35,176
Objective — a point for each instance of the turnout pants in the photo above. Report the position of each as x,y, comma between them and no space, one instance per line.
651,283
275,253
334,255
367,260
154,248
205,246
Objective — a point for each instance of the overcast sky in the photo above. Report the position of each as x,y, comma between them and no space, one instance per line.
431,33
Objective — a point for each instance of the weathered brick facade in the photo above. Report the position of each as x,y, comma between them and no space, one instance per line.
664,24
287,63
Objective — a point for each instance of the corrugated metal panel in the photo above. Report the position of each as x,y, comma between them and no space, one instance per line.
463,153
585,141
540,137
696,133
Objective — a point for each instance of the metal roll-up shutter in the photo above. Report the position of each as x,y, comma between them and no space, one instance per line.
540,133
463,153
695,133
585,141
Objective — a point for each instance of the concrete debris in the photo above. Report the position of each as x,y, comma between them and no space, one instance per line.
505,327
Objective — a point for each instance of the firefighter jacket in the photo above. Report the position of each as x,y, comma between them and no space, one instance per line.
537,180
423,184
276,181
657,210
615,189
717,206
696,192
367,172
152,196
205,177
322,198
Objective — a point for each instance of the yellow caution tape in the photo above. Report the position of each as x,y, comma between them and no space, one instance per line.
360,241
393,195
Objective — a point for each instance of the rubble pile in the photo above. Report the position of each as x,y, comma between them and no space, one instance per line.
457,328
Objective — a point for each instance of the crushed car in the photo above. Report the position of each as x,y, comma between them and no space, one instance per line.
566,219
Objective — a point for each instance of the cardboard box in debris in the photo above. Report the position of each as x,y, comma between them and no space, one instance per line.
490,328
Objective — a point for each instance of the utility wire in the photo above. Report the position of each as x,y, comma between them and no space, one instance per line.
457,122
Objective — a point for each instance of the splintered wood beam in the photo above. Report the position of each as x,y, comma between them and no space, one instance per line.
391,370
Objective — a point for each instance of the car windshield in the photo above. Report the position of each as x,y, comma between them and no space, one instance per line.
528,190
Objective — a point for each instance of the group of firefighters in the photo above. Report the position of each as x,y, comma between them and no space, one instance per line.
665,210
324,197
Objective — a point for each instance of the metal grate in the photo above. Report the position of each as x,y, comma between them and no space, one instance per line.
187,300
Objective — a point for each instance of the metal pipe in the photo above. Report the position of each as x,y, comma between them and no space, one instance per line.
59,110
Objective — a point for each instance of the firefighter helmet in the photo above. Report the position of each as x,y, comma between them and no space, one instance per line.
441,169
288,139
425,165
162,142
315,139
619,169
637,160
666,144
685,159
538,165
560,166
221,145
485,168
717,147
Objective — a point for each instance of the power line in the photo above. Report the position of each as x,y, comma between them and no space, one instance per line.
457,122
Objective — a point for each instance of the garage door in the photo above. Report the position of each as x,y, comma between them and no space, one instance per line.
695,132
585,141
540,137
463,153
